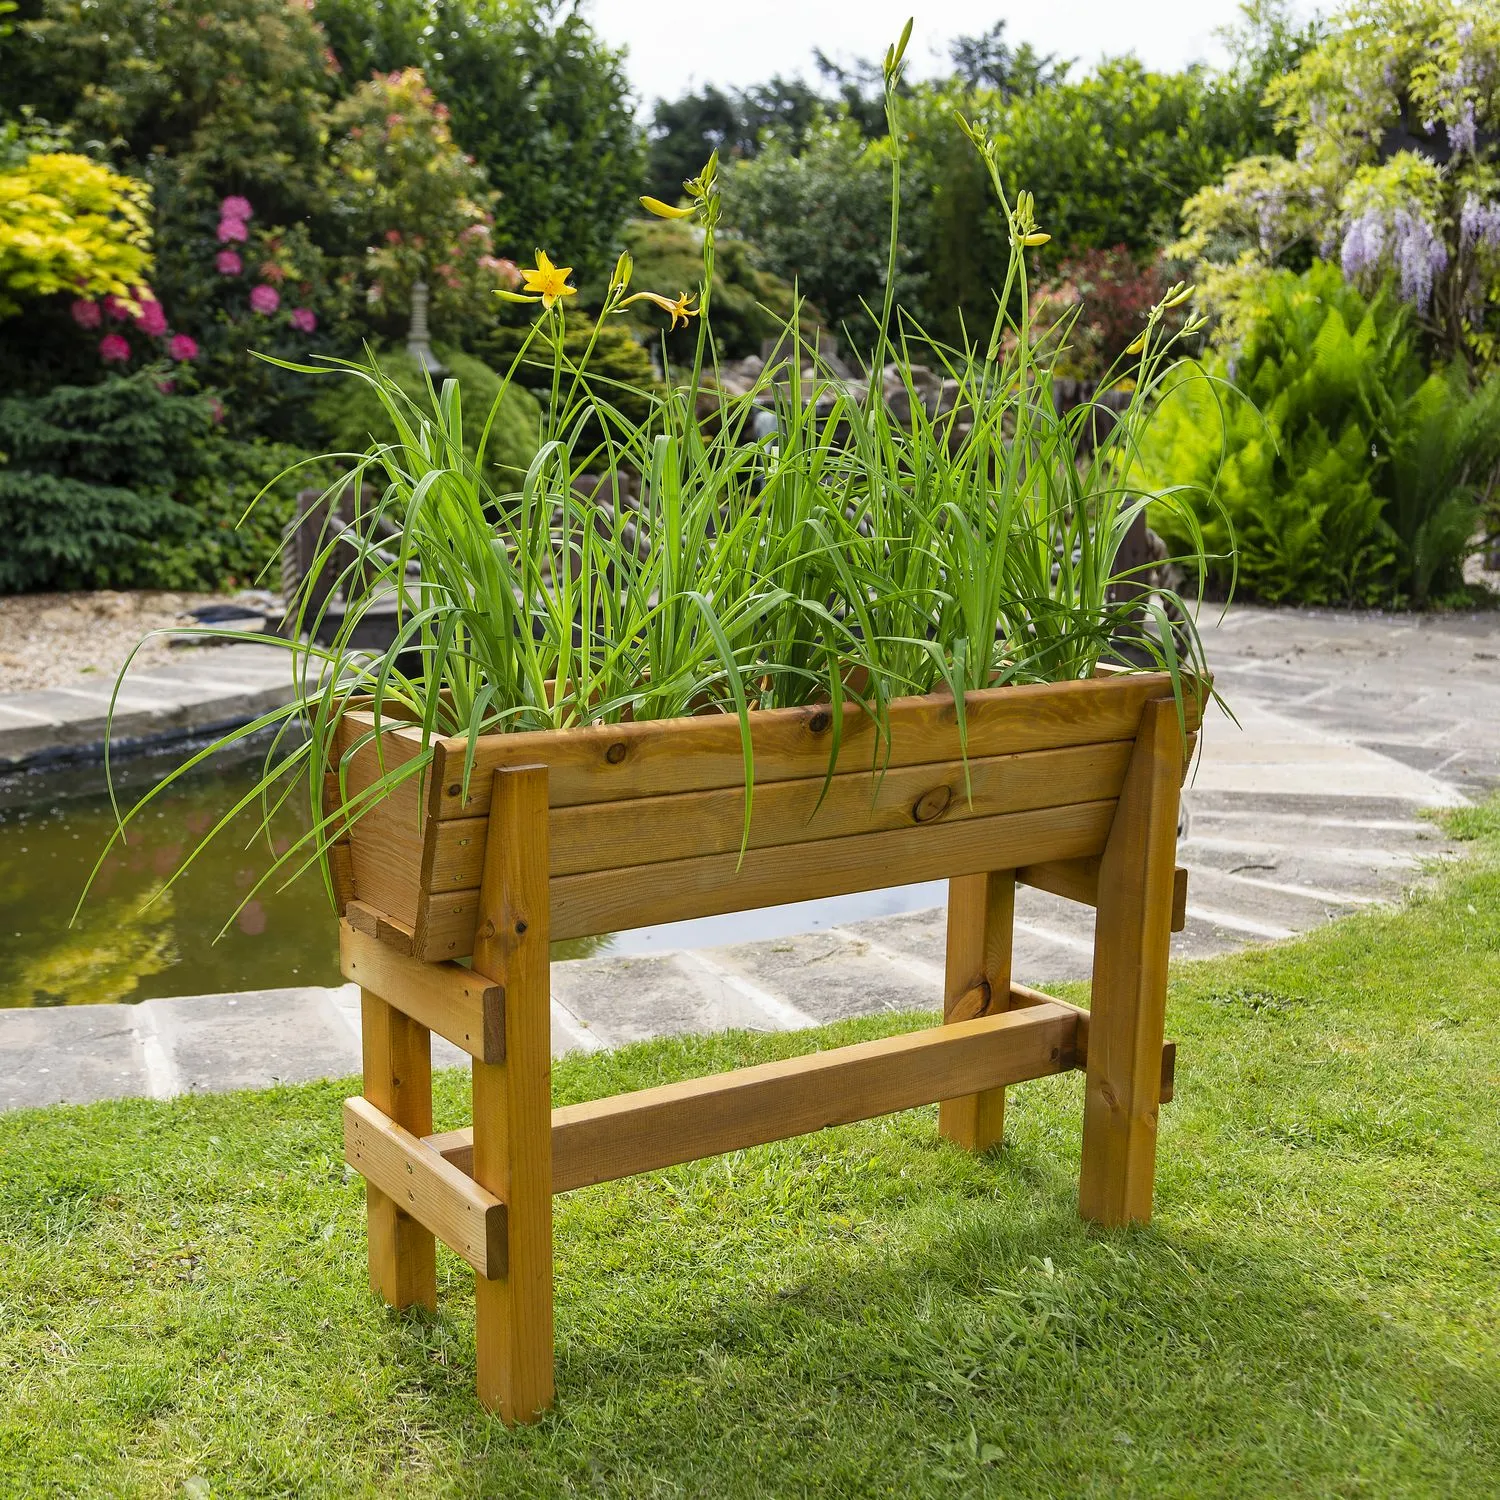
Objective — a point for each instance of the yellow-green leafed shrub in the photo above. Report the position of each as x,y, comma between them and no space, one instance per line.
68,224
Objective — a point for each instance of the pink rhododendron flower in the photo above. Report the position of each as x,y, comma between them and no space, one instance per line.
233,229
264,299
115,308
235,209
304,320
228,263
85,314
113,349
183,347
393,236
152,318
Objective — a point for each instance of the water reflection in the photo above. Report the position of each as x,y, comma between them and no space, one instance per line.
135,940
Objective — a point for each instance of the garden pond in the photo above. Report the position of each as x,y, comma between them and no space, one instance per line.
127,946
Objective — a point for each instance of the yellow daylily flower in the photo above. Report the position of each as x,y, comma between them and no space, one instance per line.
1035,239
665,210
679,311
1138,346
549,281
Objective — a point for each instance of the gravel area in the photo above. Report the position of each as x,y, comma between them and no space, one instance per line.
59,640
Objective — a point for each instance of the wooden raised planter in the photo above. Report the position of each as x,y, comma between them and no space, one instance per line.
1072,787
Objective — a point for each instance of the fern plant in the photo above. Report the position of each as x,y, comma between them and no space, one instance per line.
1322,448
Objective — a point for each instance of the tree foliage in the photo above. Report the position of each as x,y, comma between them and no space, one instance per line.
535,97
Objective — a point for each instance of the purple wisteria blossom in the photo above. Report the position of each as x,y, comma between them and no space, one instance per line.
1364,240
1479,224
1420,256
1464,135
1405,240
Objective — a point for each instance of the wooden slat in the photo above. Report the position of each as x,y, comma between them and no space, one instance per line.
374,923
677,1122
513,1100
609,835
447,1202
446,998
1023,995
386,844
1078,880
397,1059
1132,939
600,763
976,981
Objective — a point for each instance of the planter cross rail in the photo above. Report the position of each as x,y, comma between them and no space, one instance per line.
451,892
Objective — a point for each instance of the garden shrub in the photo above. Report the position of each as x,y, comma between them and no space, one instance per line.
1346,473
619,368
750,304
228,95
349,411
1396,123
69,224
124,485
818,209
419,205
1112,293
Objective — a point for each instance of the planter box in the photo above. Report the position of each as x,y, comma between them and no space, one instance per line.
1071,786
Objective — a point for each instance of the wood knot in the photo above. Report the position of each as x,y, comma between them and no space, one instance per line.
616,753
456,789
931,804
819,722
520,928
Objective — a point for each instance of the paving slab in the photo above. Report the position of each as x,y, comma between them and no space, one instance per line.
70,1055
216,688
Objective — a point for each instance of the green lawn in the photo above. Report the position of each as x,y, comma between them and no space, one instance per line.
1315,1310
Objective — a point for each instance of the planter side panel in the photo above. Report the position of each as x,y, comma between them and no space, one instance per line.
388,842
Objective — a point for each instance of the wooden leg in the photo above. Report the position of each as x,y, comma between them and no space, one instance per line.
513,1100
398,1080
981,924
1132,937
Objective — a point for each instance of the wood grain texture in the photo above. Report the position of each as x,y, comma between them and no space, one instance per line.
1022,995
446,998
447,1202
976,981
677,1122
1078,880
1132,936
610,835
600,763
612,900
513,1100
397,1053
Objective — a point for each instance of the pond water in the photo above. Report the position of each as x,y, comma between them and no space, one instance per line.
126,946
